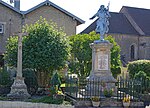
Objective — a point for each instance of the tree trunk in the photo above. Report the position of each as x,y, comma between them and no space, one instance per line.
43,78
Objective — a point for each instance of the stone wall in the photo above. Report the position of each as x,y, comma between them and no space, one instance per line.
108,103
12,24
144,47
51,13
141,44
125,42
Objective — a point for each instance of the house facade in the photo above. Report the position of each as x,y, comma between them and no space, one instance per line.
131,30
12,19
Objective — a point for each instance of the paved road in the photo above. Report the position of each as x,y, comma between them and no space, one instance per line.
17,104
109,107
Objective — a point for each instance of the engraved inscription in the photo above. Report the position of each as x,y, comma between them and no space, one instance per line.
102,62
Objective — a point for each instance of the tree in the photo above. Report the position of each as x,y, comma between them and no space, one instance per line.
44,49
115,57
55,84
82,54
55,80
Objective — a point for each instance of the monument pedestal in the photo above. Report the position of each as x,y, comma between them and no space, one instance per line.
19,89
101,72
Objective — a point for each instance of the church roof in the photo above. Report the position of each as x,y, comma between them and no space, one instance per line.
130,20
141,17
118,24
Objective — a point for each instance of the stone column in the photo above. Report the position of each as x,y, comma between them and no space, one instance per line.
101,71
19,88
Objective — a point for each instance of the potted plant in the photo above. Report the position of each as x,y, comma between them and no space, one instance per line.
126,101
95,101
108,92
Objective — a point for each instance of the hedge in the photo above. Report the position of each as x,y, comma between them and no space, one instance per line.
139,65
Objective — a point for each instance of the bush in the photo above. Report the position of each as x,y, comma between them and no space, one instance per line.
49,100
30,80
144,80
140,75
115,71
5,82
5,79
55,79
54,84
139,65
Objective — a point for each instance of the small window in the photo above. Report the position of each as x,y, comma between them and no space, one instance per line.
1,28
132,55
1,61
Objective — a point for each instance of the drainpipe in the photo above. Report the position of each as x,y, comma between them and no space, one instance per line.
138,54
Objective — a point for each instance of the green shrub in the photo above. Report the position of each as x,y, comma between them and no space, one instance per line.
5,79
140,75
5,82
144,80
55,79
139,65
49,100
115,71
54,84
30,80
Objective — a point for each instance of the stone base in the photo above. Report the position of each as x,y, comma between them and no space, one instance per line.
19,89
105,76
95,87
108,103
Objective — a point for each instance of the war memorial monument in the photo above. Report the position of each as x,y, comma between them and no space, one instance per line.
101,55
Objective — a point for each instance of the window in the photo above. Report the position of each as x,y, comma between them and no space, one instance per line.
1,60
1,28
132,52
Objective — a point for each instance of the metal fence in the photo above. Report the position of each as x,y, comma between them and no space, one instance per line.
131,87
84,89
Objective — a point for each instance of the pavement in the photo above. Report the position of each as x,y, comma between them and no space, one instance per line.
18,104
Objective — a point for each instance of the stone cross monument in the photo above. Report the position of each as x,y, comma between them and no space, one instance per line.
19,88
101,56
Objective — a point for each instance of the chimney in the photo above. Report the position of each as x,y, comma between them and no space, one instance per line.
17,4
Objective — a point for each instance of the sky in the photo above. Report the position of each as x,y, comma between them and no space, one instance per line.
84,9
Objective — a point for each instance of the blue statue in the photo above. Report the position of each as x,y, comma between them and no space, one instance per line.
102,22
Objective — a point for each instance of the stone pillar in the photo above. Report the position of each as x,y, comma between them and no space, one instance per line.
101,71
19,88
